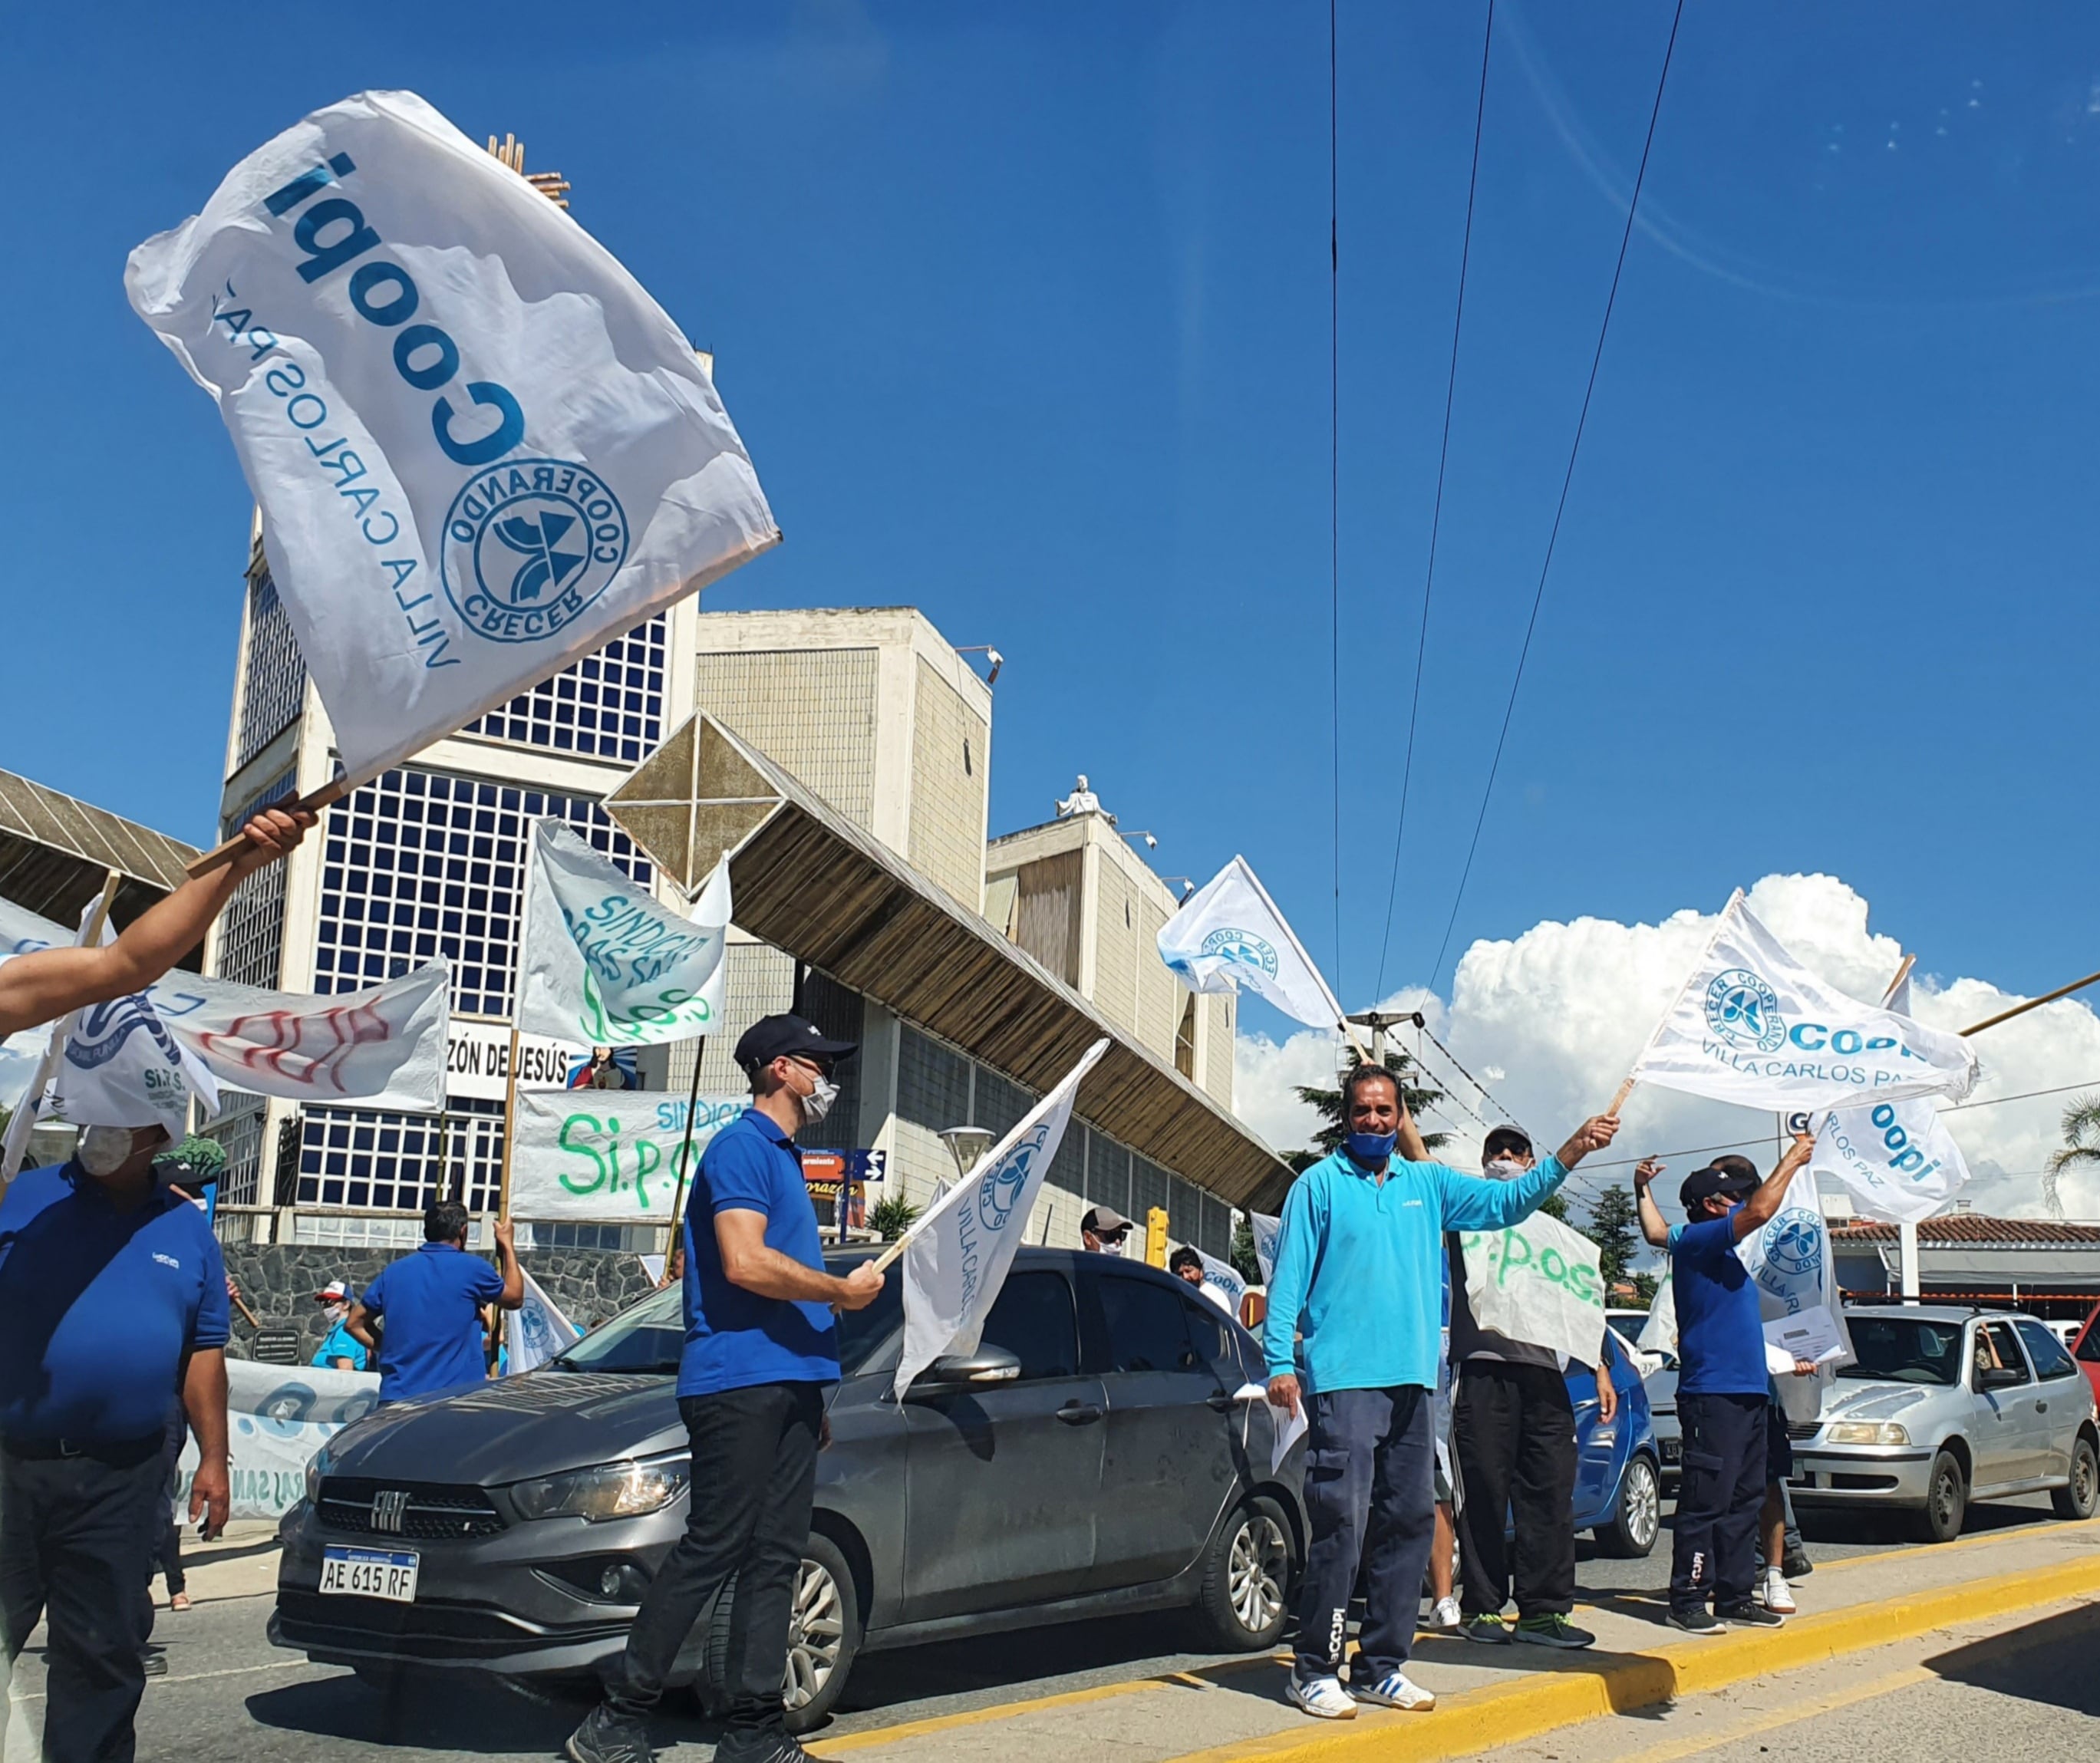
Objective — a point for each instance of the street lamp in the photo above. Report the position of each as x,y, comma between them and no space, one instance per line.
966,1145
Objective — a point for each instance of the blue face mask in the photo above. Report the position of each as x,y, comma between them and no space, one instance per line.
1371,1149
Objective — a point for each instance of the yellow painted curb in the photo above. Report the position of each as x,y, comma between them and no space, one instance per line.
1480,1720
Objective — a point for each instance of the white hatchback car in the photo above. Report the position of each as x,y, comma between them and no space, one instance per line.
1943,1406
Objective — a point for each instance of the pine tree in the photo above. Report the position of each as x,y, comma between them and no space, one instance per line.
1246,1263
1555,1206
1614,1227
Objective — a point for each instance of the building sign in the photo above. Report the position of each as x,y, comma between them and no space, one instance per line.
478,1061
837,1176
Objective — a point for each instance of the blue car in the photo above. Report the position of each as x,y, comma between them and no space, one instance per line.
1618,1468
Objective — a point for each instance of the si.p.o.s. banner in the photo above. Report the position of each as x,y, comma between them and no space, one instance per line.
607,1156
479,447
1538,1282
277,1417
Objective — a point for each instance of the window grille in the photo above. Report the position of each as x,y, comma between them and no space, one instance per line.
273,689
606,706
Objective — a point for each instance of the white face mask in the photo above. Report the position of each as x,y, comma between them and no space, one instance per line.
105,1150
817,1103
1112,1246
1503,1169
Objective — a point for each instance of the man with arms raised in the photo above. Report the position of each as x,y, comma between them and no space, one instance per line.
430,1303
761,1355
1359,1277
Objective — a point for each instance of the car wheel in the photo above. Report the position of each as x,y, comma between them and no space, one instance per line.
1246,1597
1637,1516
1946,1500
823,1636
2079,1499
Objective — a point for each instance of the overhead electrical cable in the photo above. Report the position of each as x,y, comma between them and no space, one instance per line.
1334,454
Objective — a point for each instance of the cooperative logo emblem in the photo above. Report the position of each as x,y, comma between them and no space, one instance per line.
529,545
1743,1011
1243,949
1794,1243
1003,1186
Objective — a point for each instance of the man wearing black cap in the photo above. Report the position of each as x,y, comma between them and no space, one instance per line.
761,1352
1102,1230
1721,1385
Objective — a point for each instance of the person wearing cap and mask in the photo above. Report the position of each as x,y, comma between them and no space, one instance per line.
1721,1383
1103,1230
1358,1276
47,984
342,1350
761,1357
112,1313
1513,1432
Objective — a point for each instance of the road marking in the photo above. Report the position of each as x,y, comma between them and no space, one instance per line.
22,1698
2043,1525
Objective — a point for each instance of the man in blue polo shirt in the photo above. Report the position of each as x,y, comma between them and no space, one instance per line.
1722,1382
430,1303
113,1299
1358,1280
761,1355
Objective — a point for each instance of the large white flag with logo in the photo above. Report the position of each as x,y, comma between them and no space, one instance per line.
1754,1026
1790,1259
604,962
385,1045
1898,1158
1264,1229
956,1255
536,1331
479,447
1228,937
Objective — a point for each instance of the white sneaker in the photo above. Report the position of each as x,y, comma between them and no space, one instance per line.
1395,1690
1445,1618
1324,1698
1775,1593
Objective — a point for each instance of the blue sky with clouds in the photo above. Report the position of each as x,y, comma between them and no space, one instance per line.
1023,312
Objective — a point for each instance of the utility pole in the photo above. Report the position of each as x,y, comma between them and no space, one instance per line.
1378,1021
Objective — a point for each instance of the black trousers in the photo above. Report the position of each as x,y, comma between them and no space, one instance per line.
1513,1433
1370,1493
77,1542
1719,1496
754,1477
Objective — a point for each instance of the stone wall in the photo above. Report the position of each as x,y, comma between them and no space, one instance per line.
279,1281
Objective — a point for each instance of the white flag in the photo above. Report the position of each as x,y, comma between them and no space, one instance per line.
1264,1230
1222,1283
480,449
384,1046
536,1331
956,1255
1791,1261
606,964
1897,1158
1228,937
1658,1334
1752,1025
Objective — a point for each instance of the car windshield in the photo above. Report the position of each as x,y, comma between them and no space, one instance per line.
649,1337
1904,1349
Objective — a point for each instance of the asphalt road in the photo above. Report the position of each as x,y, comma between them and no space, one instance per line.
228,1694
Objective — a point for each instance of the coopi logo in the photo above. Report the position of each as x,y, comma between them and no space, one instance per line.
529,545
1744,1011
1243,949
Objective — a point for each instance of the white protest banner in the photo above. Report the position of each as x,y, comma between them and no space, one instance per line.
278,1416
1264,1229
385,1044
44,1053
1791,1261
1752,1025
606,1156
1221,1281
604,963
479,447
536,1331
1229,936
1538,1281
957,1253
1897,1158
1659,1333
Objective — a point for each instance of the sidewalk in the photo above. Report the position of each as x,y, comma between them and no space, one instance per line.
1491,1696
241,1564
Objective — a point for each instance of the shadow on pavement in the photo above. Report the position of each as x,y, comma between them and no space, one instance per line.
2049,1661
471,1714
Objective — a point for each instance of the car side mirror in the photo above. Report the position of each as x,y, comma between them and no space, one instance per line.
1997,1378
966,1371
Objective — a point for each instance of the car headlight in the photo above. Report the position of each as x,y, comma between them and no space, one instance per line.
1866,1432
624,1490
318,1466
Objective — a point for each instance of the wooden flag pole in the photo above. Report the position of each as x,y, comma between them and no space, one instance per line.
313,801
685,1151
241,1304
509,1128
2032,1003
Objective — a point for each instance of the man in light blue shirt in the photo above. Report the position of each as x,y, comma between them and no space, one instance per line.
1357,1287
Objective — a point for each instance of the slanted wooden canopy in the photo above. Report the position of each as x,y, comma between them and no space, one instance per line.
55,852
806,879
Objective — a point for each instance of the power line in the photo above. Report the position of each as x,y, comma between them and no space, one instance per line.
1334,450
1436,506
1568,478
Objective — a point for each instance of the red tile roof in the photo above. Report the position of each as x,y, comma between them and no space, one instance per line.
1974,1228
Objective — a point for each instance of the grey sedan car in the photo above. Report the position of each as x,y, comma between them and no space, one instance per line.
1091,1457
1945,1406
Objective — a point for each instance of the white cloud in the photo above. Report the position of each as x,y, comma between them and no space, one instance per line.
1565,1008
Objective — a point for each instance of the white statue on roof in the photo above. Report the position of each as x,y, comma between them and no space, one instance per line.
1081,801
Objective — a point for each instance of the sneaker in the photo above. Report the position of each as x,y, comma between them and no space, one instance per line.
1775,1593
1797,1566
1693,1619
1490,1628
1444,1618
1396,1689
606,1737
1323,1698
154,1663
1554,1630
1748,1615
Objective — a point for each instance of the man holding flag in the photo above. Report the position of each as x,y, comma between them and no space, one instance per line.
1358,1276
761,1354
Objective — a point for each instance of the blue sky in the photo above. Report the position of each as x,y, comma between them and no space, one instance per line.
1023,312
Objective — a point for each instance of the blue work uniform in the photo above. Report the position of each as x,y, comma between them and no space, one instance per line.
341,1344
432,1301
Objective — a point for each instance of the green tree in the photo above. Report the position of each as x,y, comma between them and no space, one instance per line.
1614,1227
1555,1206
1644,1285
1414,1091
1246,1263
2081,1148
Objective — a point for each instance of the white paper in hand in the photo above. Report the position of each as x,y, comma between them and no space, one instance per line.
1285,1428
